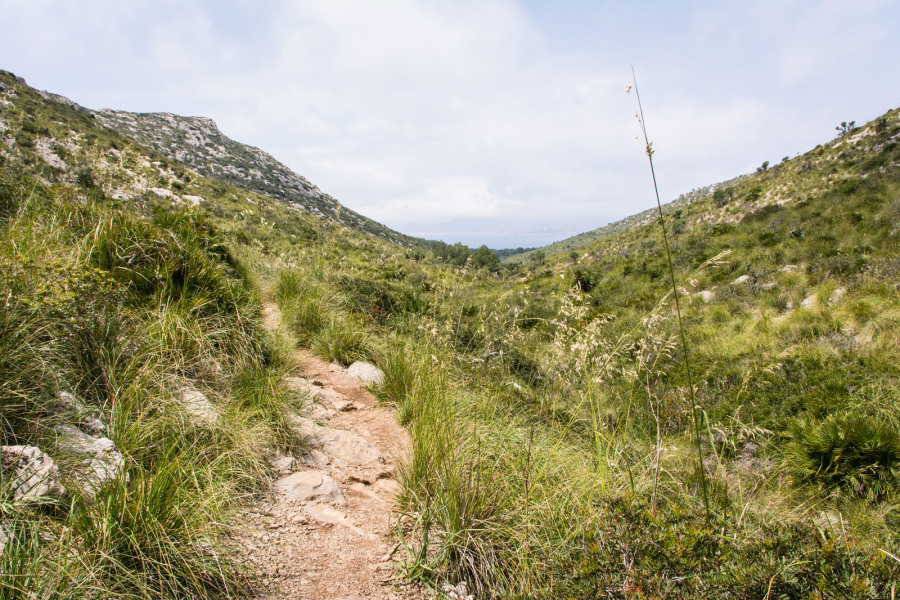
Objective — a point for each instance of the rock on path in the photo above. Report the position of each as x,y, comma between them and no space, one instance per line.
325,532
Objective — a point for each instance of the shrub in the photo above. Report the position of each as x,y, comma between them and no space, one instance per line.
844,454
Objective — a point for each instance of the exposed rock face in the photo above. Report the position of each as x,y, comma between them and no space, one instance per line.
199,406
309,486
198,143
366,372
31,474
342,448
97,460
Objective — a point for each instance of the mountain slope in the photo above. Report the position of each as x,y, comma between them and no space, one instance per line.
582,240
198,143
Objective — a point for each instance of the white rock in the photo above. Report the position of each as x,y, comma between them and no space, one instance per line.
741,280
199,406
3,538
309,486
343,448
29,473
809,301
98,461
706,296
790,269
366,372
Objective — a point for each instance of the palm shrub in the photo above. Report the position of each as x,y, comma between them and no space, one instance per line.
844,454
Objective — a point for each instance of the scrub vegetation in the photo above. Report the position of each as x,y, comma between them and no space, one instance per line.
554,439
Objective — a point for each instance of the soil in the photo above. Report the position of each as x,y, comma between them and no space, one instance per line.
343,550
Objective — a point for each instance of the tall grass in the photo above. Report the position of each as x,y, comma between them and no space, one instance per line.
124,313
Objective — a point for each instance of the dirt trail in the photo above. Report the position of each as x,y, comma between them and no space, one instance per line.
314,542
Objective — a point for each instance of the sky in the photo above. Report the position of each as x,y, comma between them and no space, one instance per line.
495,122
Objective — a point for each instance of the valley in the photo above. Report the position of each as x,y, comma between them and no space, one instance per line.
533,429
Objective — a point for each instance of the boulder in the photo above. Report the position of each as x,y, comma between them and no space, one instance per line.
809,302
343,448
366,372
97,461
200,408
741,280
309,486
29,473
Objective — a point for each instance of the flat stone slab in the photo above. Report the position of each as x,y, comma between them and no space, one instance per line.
309,486
343,448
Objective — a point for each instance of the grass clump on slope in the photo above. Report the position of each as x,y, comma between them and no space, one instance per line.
125,312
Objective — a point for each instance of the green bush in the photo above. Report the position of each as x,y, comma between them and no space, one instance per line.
844,454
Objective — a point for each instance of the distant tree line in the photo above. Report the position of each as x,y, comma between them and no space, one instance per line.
459,254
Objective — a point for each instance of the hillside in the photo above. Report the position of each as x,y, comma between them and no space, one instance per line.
582,240
556,447
197,142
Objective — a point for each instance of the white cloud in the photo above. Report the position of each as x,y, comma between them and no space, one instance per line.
445,199
490,116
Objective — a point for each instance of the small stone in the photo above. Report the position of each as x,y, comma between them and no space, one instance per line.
343,448
93,426
809,301
299,385
741,280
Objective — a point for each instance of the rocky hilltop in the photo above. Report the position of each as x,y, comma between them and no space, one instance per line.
198,143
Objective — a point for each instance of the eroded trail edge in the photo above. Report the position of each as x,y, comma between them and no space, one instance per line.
324,532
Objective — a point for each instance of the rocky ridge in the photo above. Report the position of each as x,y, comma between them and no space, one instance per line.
198,143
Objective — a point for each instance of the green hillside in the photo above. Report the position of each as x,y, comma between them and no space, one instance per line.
555,450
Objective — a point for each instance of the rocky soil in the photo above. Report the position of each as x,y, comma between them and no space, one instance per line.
325,531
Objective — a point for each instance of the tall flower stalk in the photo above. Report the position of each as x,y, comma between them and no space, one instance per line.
695,409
